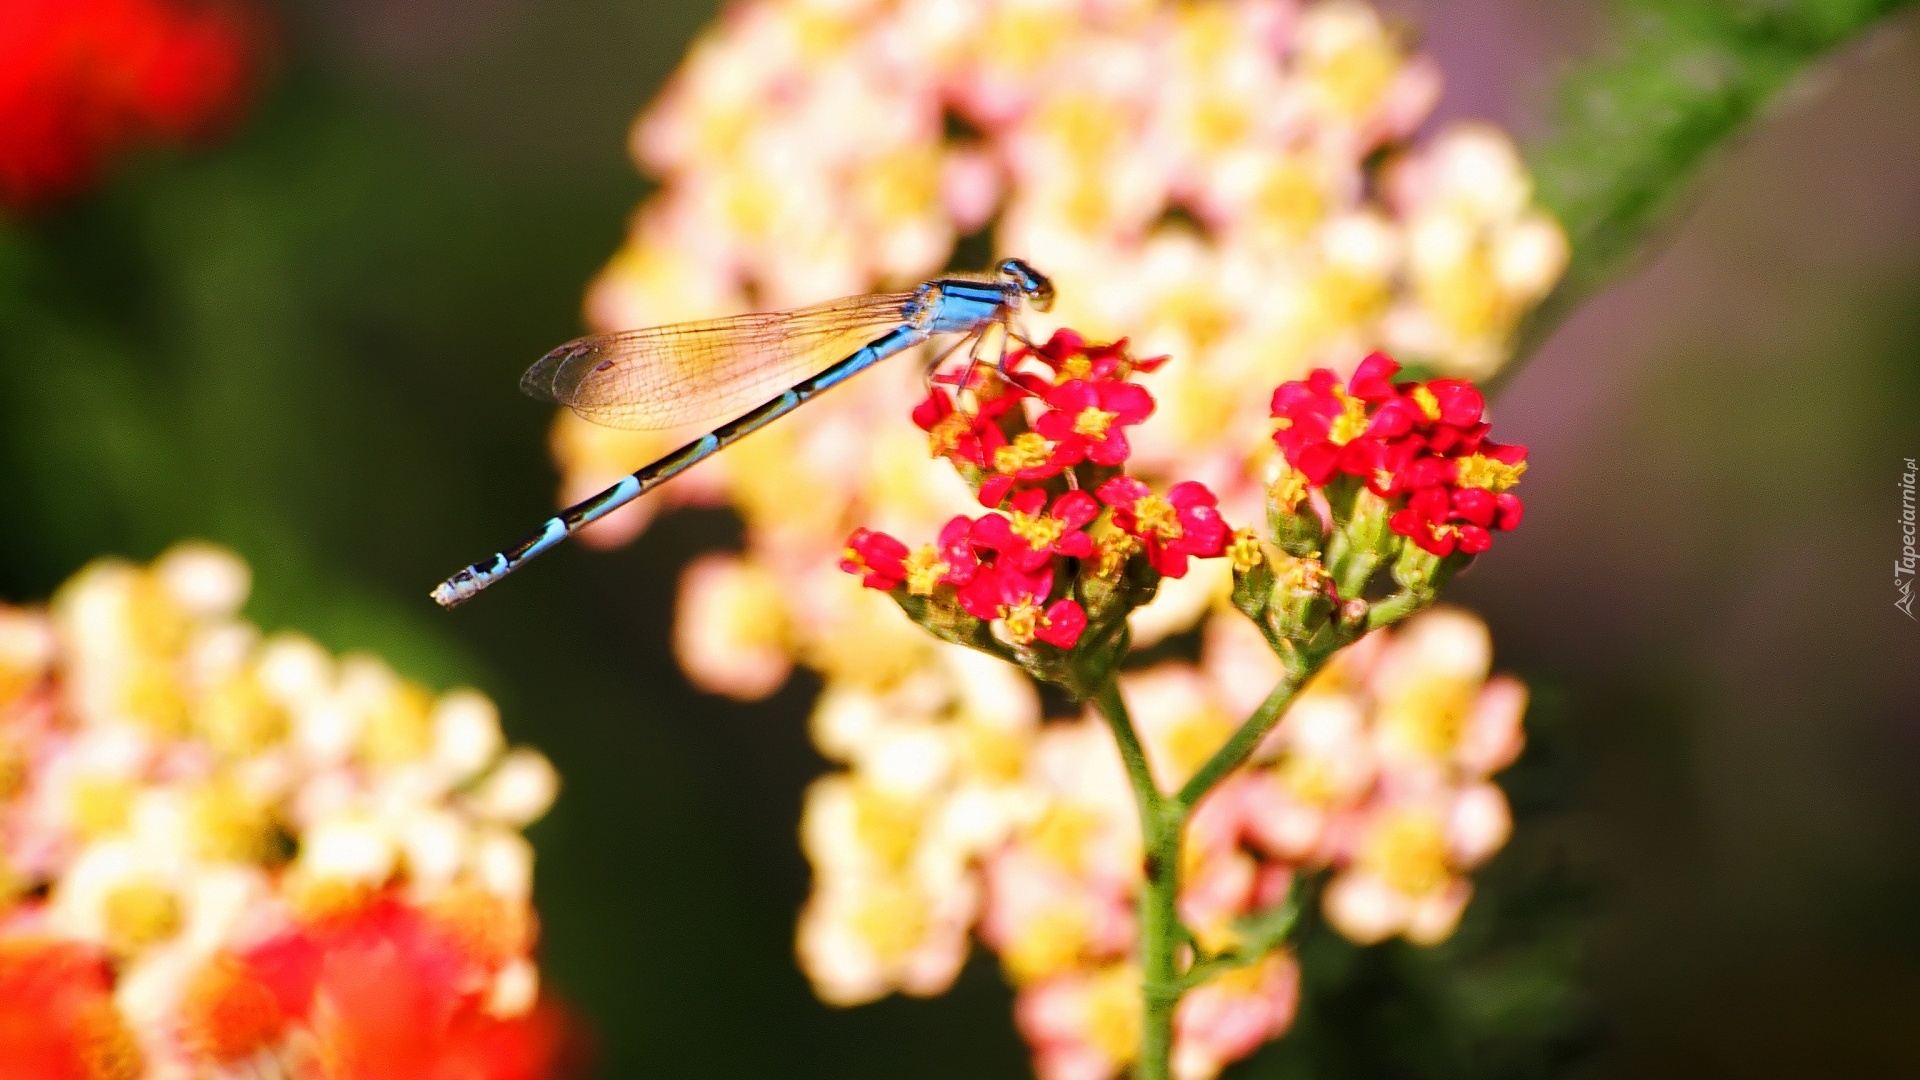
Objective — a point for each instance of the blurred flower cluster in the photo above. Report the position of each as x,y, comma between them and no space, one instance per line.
228,855
961,812
81,78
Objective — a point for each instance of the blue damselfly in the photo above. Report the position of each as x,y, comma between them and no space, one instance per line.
688,373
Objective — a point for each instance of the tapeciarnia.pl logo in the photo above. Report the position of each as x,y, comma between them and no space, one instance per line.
1903,566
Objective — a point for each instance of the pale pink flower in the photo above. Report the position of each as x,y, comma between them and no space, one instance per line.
1230,1016
1084,1025
731,634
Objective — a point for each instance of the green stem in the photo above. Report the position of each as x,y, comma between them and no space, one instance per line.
1398,606
1238,748
1145,793
1162,822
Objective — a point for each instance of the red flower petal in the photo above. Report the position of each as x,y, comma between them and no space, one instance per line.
1168,561
1063,624
1474,505
1317,462
1504,453
1435,541
1074,545
1460,403
1191,493
980,597
1406,522
1130,403
937,406
1508,509
993,490
1373,379
1204,533
1111,451
1072,396
1076,508
1029,501
1122,492
995,532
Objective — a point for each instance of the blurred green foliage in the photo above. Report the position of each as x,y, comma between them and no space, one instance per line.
1636,125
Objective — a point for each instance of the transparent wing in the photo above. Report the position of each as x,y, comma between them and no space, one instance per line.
668,376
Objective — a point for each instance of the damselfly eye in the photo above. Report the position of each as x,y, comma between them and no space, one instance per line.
1036,286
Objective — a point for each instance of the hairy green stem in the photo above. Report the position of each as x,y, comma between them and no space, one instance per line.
1163,822
1238,748
1161,825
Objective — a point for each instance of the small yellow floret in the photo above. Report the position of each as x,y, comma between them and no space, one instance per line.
1026,451
138,914
1246,551
1038,530
1481,471
1158,517
1093,423
924,570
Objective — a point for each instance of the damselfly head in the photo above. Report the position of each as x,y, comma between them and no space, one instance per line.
1033,284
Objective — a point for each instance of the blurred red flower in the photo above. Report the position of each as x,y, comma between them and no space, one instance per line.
387,990
79,79
57,1020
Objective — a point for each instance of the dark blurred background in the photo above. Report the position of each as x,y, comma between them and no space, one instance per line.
304,344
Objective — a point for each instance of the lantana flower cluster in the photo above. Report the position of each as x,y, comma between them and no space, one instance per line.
228,854
81,78
962,815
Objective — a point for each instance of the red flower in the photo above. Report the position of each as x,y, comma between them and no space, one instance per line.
1018,598
1494,466
1423,440
1071,357
1088,419
1317,418
879,559
80,78
969,437
1035,534
57,1018
1028,459
384,990
949,561
1183,523
1443,520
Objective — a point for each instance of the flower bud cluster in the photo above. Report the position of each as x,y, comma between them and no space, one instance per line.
1071,543
224,852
